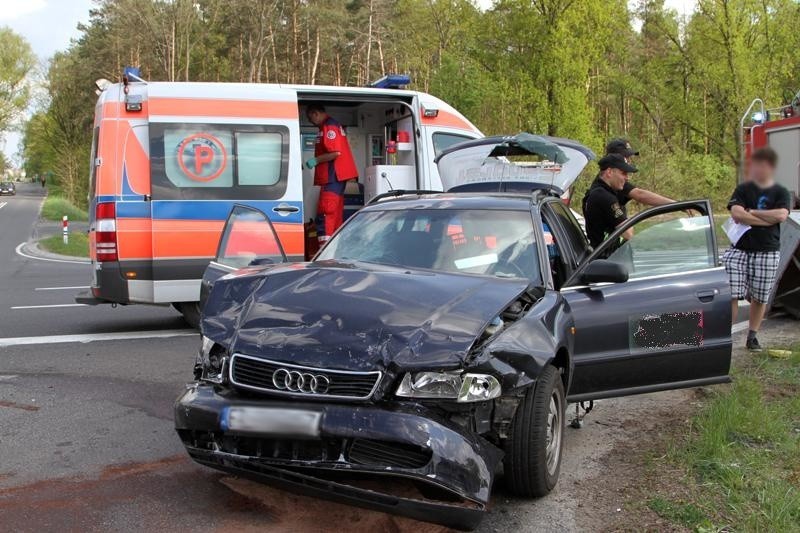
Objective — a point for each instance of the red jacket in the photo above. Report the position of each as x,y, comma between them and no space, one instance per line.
332,137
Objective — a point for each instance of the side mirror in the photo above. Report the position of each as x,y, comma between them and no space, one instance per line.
262,261
604,271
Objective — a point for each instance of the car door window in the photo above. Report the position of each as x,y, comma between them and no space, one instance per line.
668,244
669,324
571,229
248,238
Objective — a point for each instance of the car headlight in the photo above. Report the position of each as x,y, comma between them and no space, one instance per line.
449,385
211,362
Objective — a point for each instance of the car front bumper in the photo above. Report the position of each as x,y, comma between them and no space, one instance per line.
444,472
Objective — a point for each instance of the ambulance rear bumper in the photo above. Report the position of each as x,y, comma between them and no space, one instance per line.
108,286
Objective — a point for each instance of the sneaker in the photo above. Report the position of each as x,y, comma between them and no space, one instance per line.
753,345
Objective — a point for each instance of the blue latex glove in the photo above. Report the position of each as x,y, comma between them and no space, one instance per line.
311,163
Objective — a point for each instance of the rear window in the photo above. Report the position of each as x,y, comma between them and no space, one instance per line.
219,161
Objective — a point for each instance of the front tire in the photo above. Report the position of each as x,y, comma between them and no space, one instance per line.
536,440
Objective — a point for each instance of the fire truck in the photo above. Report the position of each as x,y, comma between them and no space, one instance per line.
779,128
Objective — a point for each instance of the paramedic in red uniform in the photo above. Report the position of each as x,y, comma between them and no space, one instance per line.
333,166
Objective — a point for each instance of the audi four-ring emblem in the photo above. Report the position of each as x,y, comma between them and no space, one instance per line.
296,381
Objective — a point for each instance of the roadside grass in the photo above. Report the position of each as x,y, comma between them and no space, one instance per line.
741,456
78,245
55,207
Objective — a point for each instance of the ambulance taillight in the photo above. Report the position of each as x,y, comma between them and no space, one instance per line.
106,232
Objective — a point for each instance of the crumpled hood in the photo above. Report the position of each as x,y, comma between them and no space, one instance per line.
366,317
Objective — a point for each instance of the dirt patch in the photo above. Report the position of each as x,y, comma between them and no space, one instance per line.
607,498
22,406
319,515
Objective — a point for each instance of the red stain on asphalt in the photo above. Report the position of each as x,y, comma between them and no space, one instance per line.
132,468
15,405
175,494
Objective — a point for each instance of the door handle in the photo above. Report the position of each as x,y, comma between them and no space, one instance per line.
286,209
706,296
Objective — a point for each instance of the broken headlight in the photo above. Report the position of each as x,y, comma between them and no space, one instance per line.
212,361
449,385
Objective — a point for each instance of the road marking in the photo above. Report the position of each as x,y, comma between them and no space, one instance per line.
3,204
27,256
47,306
60,288
93,337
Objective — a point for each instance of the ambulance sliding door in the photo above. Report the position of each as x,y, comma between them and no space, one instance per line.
201,165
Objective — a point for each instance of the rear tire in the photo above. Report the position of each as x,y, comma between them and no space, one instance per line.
190,312
536,440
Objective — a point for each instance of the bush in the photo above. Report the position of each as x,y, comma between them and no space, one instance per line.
78,245
55,207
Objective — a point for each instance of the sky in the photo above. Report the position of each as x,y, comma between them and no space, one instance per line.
48,25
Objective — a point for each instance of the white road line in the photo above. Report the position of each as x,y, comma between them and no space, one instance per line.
93,337
3,204
60,288
47,306
23,254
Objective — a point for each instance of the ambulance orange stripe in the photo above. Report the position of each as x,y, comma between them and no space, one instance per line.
204,107
137,164
106,177
140,238
118,110
447,119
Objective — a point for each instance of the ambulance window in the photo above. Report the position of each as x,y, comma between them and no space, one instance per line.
259,158
198,158
218,161
443,141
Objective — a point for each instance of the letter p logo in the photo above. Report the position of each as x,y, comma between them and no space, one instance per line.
203,155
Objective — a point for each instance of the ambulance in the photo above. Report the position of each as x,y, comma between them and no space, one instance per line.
169,161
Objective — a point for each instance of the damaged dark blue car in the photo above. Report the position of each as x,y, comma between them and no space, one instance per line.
436,339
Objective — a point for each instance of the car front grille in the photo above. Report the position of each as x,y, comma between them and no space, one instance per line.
275,377
382,453
364,452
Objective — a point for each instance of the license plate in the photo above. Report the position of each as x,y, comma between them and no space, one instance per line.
271,421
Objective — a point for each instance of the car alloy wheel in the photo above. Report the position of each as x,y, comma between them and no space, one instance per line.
535,441
555,427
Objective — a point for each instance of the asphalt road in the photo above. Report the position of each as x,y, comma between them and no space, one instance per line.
86,436
34,292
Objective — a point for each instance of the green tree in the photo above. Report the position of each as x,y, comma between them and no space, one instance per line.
16,63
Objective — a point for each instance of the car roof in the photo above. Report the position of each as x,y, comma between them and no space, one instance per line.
450,200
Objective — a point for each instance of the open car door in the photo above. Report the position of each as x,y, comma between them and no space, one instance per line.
248,240
669,325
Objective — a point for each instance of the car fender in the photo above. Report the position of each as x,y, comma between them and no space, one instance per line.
543,336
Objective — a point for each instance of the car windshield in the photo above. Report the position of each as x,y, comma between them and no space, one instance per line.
488,242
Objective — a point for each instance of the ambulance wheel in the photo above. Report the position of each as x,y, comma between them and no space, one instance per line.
190,312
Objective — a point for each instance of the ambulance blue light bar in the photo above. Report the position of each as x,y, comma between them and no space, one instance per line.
131,74
391,81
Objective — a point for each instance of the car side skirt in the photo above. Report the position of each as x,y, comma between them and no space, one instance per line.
656,387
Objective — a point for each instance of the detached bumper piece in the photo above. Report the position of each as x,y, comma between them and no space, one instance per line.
402,461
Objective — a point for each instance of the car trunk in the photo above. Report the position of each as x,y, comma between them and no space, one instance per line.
517,163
